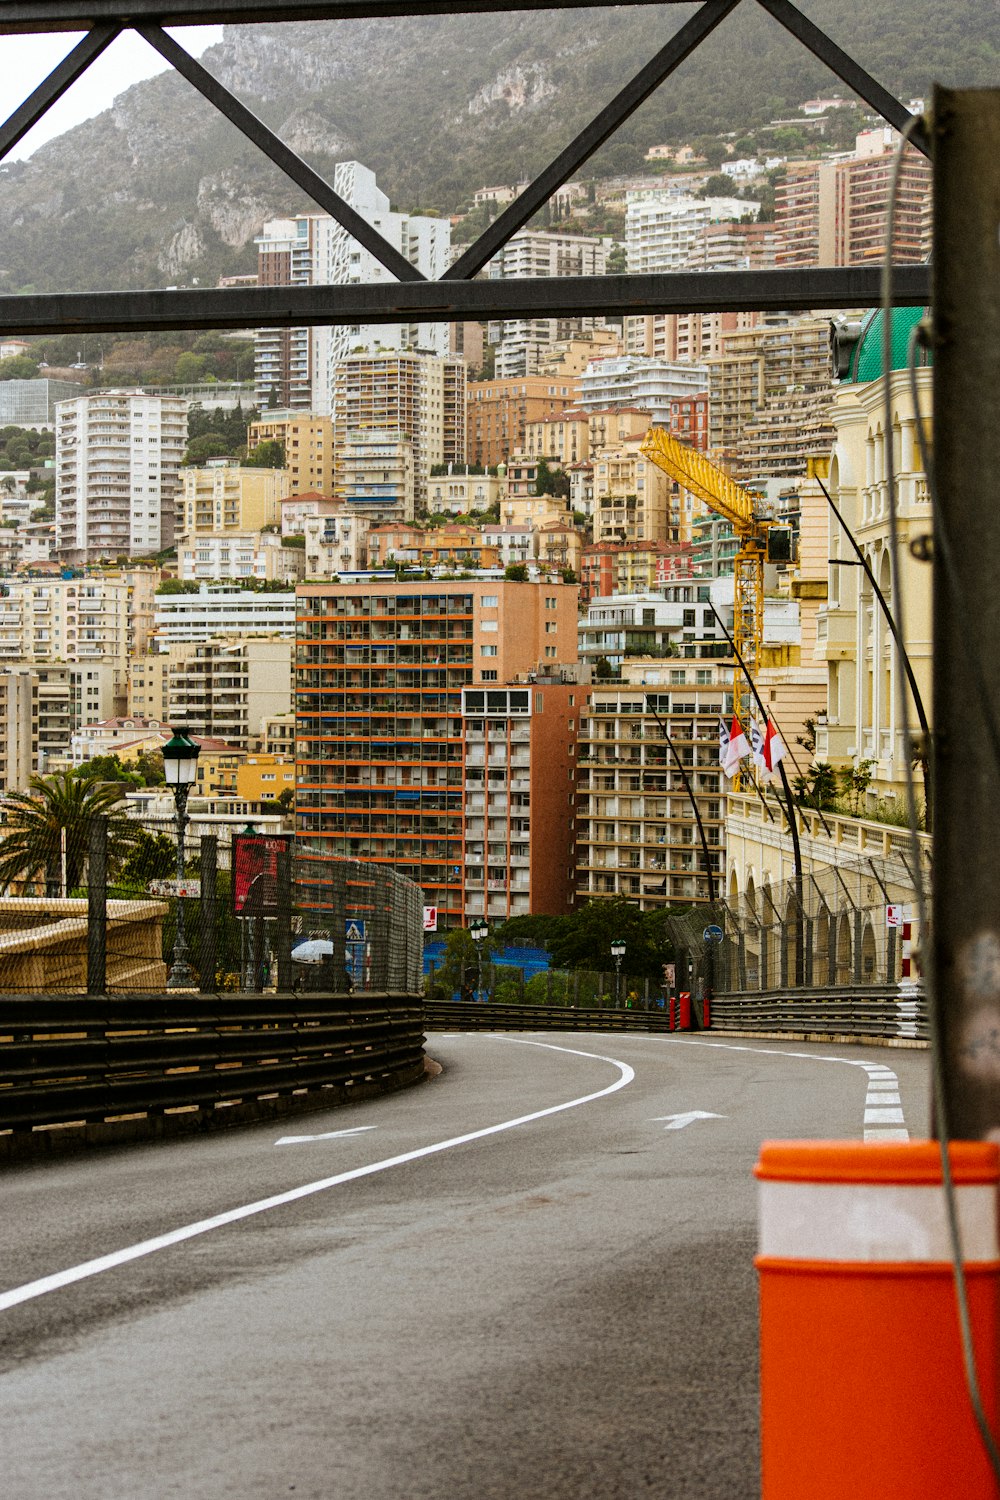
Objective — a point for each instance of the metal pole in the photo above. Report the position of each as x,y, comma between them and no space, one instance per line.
691,798
964,938
97,907
208,913
181,975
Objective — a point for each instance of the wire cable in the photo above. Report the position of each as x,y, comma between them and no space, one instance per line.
933,1006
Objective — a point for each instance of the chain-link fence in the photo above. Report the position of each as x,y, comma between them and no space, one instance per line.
833,927
249,913
578,989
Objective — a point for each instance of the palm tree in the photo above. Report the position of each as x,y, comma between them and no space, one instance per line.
31,849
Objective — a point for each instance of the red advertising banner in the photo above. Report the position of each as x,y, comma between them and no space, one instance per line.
255,873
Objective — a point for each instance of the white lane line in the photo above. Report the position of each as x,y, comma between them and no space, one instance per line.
881,1121
128,1253
328,1135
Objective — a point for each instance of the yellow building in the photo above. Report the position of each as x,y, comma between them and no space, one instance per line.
308,441
222,497
632,499
263,778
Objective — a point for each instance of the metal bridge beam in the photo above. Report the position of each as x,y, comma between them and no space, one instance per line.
798,290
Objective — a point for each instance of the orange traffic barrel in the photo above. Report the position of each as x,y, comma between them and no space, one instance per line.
863,1388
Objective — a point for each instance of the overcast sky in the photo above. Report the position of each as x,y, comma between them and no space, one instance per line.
26,60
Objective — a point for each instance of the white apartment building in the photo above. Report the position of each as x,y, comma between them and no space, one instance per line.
336,544
222,610
650,384
632,498
402,392
18,727
72,619
458,494
662,231
376,466
118,456
314,250
524,343
246,554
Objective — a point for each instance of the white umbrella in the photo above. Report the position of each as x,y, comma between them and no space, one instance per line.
313,951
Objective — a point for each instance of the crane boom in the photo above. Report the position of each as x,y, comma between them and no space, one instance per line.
713,486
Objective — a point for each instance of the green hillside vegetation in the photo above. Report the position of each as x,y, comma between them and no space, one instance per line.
162,191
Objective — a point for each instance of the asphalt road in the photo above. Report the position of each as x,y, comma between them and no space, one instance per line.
562,1308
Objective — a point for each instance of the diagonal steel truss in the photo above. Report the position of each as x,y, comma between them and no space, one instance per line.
457,297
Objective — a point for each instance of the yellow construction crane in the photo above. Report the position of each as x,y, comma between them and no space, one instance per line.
707,482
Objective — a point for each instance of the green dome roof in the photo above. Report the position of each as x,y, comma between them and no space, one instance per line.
866,359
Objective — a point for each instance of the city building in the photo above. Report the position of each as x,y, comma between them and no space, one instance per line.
637,831
335,544
264,777
402,392
381,666
223,609
79,619
378,473
523,343
608,568
665,232
225,689
308,443
632,499
683,336
520,778
118,456
225,497
148,686
262,555
298,509
647,384
19,726
833,212
499,412
32,403
294,367
460,492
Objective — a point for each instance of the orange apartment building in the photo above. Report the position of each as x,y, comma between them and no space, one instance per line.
498,412
381,667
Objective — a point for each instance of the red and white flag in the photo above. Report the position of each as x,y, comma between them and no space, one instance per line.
774,750
723,741
737,749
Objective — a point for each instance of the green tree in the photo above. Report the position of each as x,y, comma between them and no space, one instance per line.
153,857
54,806
18,367
819,788
459,966
108,768
717,186
854,783
267,455
209,445
516,573
190,368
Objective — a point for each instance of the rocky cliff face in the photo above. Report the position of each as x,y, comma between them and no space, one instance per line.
160,189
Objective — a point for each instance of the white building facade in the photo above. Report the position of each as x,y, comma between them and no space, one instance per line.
118,456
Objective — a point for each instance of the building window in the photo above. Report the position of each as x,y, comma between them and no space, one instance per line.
489,676
487,650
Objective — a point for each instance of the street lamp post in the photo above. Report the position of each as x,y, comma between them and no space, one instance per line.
618,953
479,932
180,767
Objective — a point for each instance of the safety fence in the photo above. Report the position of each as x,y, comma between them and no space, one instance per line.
879,1011
449,1015
250,913
134,1066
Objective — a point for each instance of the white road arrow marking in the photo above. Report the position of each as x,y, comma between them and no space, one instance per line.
677,1122
329,1135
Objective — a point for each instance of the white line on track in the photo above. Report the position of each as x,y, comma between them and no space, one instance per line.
121,1257
882,1122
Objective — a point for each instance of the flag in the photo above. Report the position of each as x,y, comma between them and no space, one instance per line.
723,741
737,748
757,744
774,750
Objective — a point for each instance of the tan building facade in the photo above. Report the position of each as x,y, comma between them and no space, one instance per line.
224,497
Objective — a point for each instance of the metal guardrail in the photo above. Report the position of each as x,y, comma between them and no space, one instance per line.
67,1060
467,1016
861,1011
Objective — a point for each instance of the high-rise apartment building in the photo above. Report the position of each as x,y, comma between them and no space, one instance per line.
118,456
520,802
647,384
380,673
632,498
523,343
225,689
73,619
294,367
400,391
665,232
18,727
637,832
833,213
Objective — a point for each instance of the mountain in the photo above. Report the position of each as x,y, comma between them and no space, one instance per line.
160,189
